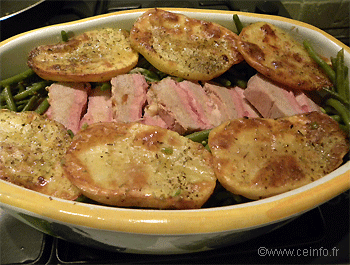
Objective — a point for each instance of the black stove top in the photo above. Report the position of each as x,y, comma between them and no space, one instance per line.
320,236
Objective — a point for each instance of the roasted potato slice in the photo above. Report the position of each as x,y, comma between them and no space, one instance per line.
137,165
260,157
94,56
184,47
31,149
276,54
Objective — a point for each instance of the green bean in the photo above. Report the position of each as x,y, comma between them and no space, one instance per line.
17,78
149,75
241,83
325,66
223,81
199,136
342,81
342,111
336,117
32,90
339,73
9,99
337,96
64,36
346,83
44,105
238,23
30,103
105,86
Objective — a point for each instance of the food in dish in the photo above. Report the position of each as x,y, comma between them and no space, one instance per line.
259,157
275,54
137,165
31,149
94,56
146,97
181,46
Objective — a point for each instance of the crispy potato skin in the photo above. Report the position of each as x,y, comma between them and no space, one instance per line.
94,56
275,54
184,47
259,157
136,165
31,149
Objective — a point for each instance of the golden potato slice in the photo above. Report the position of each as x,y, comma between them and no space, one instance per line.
94,56
31,149
277,55
259,157
137,165
184,47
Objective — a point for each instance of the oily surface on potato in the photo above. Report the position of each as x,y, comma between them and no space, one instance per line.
136,165
94,56
31,149
184,47
277,55
259,157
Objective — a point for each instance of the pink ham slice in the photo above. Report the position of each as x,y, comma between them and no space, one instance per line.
128,97
99,107
187,106
273,101
230,102
68,102
183,107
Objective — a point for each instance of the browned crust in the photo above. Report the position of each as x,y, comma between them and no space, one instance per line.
259,157
72,70
135,190
28,157
272,52
177,32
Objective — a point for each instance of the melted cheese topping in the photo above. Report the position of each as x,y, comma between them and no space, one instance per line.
96,55
140,165
31,149
277,55
184,47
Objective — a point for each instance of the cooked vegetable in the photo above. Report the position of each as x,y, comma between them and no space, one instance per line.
64,36
259,157
44,105
94,56
137,165
199,137
277,55
238,23
9,99
184,47
32,148
325,66
31,90
336,97
17,78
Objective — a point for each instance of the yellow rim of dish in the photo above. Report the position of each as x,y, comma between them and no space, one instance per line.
242,216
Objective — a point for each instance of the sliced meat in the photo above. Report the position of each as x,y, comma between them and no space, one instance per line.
99,108
128,97
306,104
230,102
68,102
273,101
260,157
248,109
179,106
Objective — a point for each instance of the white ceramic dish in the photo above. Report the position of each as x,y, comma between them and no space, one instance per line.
163,231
